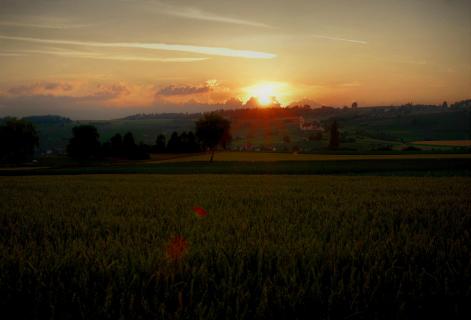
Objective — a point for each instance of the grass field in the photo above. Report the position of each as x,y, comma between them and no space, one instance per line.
265,163
445,143
100,247
369,130
272,156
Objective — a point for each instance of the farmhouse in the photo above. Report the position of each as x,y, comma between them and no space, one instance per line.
309,126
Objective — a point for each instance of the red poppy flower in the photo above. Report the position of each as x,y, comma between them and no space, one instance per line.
176,248
200,212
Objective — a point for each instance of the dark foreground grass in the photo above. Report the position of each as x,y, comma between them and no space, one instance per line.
94,247
385,167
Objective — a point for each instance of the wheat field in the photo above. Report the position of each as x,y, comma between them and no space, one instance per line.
329,247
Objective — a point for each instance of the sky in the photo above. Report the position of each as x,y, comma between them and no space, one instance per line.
103,59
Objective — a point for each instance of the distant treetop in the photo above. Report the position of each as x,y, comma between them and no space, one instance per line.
47,119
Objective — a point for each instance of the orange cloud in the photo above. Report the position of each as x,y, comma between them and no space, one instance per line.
41,88
182,90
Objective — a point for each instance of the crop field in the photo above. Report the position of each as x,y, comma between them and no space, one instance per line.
273,156
267,164
445,143
234,246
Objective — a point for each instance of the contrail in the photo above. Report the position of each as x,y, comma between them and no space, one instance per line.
198,14
214,51
43,26
99,56
11,54
201,15
337,39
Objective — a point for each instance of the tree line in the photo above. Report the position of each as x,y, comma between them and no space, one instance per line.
85,144
19,138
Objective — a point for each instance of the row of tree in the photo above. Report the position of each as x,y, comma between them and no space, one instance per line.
85,144
212,130
178,143
18,139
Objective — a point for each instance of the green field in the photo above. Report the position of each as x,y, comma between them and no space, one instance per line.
422,164
272,156
362,130
333,247
445,143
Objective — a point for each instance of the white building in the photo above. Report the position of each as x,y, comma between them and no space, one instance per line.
309,126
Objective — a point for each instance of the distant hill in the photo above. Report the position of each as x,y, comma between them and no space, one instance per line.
279,128
48,119
143,116
305,102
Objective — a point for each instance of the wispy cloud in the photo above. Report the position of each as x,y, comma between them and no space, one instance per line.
42,25
192,12
12,54
197,14
319,36
214,51
173,90
41,88
100,56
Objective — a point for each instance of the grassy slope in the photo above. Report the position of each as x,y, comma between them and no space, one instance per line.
57,135
259,163
429,126
444,143
368,130
266,156
284,246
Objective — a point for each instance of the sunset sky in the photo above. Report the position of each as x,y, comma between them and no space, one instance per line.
100,59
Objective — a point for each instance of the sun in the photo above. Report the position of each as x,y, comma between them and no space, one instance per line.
266,93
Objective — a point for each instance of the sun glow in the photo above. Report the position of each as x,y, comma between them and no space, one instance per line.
266,93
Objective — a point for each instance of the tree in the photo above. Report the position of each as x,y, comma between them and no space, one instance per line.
84,143
213,130
160,144
334,135
354,105
184,143
126,147
129,145
18,139
193,145
116,142
173,145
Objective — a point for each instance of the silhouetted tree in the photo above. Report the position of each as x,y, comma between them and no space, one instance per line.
226,139
141,152
193,145
129,145
126,147
213,130
445,105
187,143
116,142
354,105
160,144
173,144
84,143
334,141
184,143
18,139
